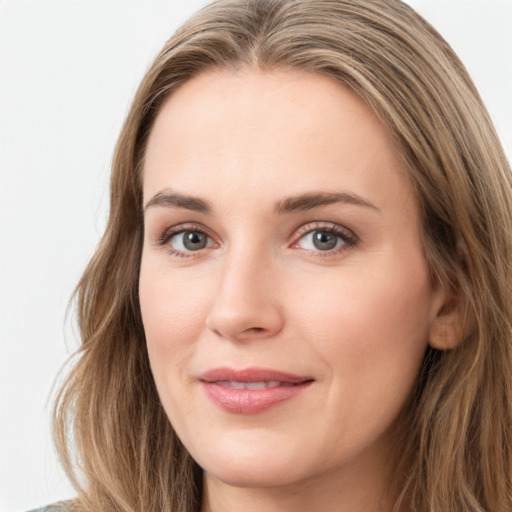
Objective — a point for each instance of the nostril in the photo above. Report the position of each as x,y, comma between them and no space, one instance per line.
242,320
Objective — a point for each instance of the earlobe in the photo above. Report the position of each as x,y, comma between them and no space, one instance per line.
444,335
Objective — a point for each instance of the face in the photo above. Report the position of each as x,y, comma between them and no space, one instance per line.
284,293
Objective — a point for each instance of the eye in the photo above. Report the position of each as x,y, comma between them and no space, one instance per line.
186,239
189,241
326,239
320,241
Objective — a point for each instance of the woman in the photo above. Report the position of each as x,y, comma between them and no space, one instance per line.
302,298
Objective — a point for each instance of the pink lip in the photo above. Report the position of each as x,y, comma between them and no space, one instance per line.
217,384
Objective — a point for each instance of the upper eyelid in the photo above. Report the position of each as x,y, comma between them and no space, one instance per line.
316,225
323,225
171,231
187,226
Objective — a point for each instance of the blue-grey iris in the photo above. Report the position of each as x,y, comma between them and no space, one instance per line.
324,241
194,240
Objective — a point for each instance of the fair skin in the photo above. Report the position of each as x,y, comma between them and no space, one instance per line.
330,285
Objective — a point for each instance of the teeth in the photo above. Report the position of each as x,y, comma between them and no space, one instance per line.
255,385
233,384
236,385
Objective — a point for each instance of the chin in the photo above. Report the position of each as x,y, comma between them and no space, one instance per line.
252,476
254,468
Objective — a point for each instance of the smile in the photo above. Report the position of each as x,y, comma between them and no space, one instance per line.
253,390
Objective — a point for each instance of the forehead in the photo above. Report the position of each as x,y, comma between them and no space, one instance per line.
227,131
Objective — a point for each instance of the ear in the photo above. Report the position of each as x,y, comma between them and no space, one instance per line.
452,323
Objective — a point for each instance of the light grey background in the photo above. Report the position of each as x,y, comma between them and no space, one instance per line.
68,70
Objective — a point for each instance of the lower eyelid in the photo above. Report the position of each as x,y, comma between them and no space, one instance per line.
186,254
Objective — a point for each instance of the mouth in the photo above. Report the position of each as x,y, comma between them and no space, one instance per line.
251,390
233,384
252,376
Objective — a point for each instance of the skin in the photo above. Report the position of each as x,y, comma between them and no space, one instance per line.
356,319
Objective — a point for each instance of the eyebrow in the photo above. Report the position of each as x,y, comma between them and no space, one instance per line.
302,202
309,201
173,199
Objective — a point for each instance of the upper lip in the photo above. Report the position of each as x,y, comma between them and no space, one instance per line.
251,375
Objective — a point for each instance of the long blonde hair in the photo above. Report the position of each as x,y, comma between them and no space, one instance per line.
455,437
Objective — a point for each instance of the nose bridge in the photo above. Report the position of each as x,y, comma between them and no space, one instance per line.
246,304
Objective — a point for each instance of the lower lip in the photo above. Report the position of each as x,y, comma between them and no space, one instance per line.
251,401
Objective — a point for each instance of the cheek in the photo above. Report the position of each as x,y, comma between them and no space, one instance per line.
173,312
380,310
370,329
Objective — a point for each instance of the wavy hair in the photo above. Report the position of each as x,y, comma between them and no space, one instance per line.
454,444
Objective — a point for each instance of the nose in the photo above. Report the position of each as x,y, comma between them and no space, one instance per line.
246,306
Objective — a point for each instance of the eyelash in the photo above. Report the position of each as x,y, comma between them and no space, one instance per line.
347,237
168,234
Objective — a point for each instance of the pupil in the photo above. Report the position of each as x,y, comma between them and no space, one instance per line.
194,240
324,241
